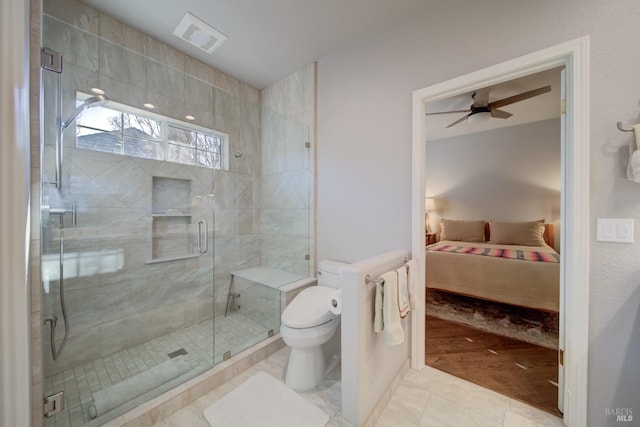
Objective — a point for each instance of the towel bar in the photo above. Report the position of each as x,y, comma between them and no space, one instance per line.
379,280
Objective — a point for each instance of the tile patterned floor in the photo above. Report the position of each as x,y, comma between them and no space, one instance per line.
234,333
432,398
428,398
327,396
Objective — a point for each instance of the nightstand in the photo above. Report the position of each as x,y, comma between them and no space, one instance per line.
429,238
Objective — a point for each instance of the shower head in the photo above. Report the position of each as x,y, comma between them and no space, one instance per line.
94,101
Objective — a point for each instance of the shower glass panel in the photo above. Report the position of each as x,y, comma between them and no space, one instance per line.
167,242
262,226
127,244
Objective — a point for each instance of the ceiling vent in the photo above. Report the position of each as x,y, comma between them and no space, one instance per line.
199,34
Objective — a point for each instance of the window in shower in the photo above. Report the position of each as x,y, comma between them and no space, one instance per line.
120,129
192,147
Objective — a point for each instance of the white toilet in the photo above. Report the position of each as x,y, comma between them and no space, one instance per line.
307,324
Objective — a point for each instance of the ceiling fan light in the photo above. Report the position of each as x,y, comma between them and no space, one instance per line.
480,117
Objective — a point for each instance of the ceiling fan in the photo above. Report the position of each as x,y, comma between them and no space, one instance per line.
482,109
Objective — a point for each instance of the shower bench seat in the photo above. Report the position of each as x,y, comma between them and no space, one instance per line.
267,276
273,278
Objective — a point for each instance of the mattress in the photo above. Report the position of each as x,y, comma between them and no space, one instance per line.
533,284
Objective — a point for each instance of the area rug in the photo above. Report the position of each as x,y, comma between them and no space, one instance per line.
532,326
263,401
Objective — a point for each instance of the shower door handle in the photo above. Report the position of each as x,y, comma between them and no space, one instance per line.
201,249
47,212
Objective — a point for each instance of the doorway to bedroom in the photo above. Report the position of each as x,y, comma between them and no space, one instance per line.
493,202
575,223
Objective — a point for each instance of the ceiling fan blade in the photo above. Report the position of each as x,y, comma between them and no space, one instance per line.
448,112
458,121
500,114
519,97
481,97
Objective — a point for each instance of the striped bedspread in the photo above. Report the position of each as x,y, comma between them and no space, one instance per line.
520,254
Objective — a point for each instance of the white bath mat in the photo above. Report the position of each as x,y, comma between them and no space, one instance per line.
263,401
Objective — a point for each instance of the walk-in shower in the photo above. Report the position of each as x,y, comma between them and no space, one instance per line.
149,221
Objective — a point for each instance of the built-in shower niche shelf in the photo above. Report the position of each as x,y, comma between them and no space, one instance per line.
172,258
172,229
172,237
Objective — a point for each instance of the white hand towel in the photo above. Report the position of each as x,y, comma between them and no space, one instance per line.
393,332
378,326
403,292
412,281
633,167
634,162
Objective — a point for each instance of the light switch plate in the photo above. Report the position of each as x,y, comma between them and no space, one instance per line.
614,230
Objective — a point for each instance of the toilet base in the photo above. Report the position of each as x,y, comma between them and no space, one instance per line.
306,368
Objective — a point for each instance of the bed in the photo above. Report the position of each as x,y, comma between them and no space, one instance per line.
481,266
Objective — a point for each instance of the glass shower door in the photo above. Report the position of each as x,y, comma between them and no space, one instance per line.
263,226
127,257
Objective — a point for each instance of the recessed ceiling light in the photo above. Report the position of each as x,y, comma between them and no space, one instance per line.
97,91
198,33
188,117
149,106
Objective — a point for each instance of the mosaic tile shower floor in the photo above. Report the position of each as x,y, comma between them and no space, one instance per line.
233,333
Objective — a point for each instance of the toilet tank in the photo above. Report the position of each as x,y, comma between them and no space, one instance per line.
329,273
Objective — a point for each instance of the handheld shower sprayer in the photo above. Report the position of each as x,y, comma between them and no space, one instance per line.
94,101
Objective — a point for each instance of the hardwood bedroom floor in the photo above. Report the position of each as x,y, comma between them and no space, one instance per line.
522,371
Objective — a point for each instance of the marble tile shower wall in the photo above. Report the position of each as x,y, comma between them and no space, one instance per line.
115,298
110,311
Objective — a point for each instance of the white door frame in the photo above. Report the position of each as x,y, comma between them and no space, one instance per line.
574,230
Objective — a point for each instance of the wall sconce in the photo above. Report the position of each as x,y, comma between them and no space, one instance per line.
429,205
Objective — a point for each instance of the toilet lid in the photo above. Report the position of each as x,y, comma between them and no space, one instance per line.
309,308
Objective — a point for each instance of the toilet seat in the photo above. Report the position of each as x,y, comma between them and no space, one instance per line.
309,308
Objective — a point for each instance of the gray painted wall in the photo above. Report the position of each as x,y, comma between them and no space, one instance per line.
507,174
364,147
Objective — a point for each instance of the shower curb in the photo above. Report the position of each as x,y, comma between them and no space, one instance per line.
161,407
